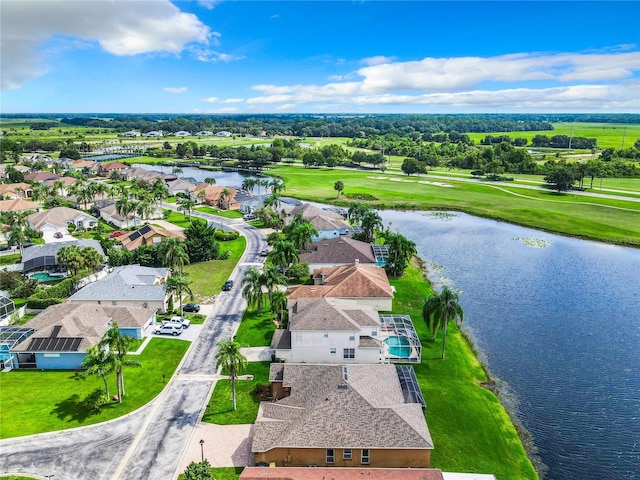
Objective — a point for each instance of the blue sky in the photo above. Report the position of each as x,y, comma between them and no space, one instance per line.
208,56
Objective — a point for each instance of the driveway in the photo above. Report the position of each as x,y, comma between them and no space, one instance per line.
224,445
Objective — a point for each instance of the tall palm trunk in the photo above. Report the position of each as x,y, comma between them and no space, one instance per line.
106,385
233,389
444,338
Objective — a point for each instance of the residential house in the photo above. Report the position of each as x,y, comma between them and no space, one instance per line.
130,133
18,205
341,251
329,330
180,186
223,133
212,195
14,191
204,133
106,169
345,473
127,286
155,133
62,333
63,184
367,285
366,416
329,224
109,213
41,176
58,219
182,133
45,257
147,235
84,166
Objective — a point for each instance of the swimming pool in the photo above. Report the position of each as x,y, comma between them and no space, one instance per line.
47,277
398,346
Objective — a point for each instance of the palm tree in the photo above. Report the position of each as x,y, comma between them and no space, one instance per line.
115,341
225,196
124,207
301,234
186,205
339,186
18,236
99,361
71,257
176,170
252,284
58,186
91,258
230,359
401,249
249,184
173,255
284,254
370,223
271,278
210,180
279,304
179,283
277,186
439,310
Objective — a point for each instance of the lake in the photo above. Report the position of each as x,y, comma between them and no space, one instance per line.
228,179
557,318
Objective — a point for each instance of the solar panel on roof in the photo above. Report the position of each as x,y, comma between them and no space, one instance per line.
146,229
134,236
55,331
63,344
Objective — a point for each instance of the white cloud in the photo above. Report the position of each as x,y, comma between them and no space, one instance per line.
224,110
378,60
120,28
209,4
233,100
221,100
287,107
176,89
210,100
207,55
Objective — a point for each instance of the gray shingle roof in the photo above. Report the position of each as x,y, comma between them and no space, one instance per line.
129,282
332,406
281,339
58,216
339,250
331,314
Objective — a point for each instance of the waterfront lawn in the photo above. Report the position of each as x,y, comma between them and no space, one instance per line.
220,407
35,401
596,218
471,430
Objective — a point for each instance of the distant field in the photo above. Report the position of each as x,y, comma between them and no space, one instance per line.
609,135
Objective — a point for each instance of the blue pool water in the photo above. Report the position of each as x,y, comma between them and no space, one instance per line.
398,346
46,277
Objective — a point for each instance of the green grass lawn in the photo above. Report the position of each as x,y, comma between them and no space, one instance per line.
9,259
220,408
221,213
15,477
178,219
256,330
461,414
610,220
222,473
34,401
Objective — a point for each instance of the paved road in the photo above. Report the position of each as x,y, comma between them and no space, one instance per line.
150,442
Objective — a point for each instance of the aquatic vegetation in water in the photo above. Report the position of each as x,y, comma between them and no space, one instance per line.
446,216
534,242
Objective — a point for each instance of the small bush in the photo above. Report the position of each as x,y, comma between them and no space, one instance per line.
224,236
361,196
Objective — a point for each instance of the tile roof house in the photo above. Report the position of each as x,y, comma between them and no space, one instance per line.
212,195
59,218
128,286
366,284
180,186
81,165
343,416
13,191
107,168
18,205
338,251
147,235
329,330
328,223
62,333
340,473
109,213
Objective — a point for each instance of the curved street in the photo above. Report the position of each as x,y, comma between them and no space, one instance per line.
150,442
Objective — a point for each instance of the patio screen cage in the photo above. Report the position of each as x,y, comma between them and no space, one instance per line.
401,339
7,307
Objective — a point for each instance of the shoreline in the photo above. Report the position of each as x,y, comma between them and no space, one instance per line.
498,387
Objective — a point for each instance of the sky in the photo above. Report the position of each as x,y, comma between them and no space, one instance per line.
329,57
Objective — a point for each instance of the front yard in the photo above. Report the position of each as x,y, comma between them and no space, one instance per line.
35,401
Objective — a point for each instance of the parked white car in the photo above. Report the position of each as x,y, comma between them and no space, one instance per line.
179,321
169,329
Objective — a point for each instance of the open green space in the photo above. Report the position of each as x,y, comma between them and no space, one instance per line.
609,135
220,407
15,477
256,330
222,473
35,401
604,219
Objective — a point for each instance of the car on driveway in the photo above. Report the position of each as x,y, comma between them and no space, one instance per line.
228,285
58,235
168,329
179,321
191,307
264,252
249,216
117,233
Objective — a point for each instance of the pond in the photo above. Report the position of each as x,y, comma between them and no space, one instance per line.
228,179
557,318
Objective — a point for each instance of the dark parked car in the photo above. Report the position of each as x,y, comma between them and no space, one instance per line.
191,307
58,235
228,285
